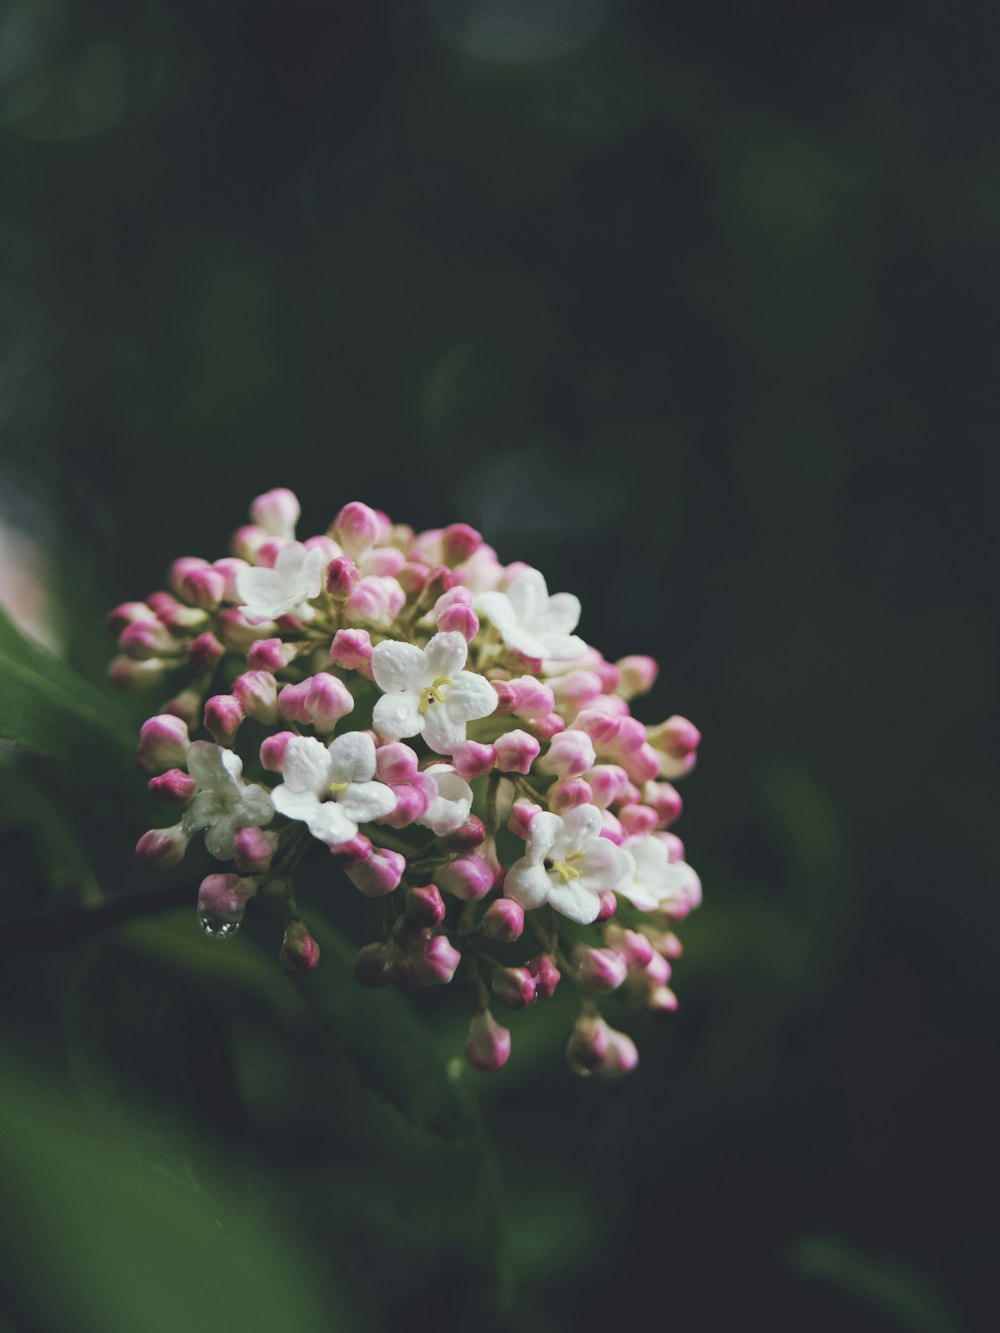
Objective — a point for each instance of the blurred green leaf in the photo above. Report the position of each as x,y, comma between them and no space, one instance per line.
46,707
891,1288
99,1239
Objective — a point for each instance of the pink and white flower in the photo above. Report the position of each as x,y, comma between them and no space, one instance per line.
531,621
566,864
296,578
656,883
331,788
427,691
222,802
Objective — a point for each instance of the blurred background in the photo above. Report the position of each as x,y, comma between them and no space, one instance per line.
694,308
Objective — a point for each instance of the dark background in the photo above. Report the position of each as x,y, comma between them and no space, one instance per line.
694,308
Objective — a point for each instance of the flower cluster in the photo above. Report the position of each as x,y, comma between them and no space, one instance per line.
433,720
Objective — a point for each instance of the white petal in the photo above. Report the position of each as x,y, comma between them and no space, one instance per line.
306,765
497,608
563,613
257,586
364,801
295,804
206,766
470,696
331,825
575,902
399,668
602,866
450,808
352,757
580,824
443,731
527,883
529,597
445,655
200,812
312,572
219,838
254,808
398,715
543,831
561,647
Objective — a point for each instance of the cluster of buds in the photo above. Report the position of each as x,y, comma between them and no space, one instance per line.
432,719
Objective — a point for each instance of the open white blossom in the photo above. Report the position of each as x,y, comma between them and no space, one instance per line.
330,788
532,622
222,802
266,594
450,808
566,864
654,882
427,691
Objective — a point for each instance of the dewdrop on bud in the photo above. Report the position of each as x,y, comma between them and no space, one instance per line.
163,848
163,743
503,921
253,850
222,900
175,787
342,577
514,987
299,951
257,692
638,675
488,1044
601,969
223,717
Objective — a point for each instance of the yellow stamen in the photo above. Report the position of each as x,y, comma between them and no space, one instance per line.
336,787
434,693
566,872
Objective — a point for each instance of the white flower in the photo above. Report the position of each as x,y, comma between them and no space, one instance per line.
266,594
654,882
532,622
450,808
330,788
567,864
426,691
222,801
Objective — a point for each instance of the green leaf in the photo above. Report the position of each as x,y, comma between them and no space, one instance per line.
46,707
97,1238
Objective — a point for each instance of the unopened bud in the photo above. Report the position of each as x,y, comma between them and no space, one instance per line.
468,877
425,906
601,969
277,512
342,577
458,543
222,900
162,848
257,692
253,850
379,873
516,751
175,787
352,650
503,921
163,743
638,675
547,975
488,1044
471,760
223,717
270,655
514,987
299,951
206,653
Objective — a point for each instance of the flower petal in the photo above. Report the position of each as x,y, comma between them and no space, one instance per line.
497,608
331,825
443,731
364,801
470,696
219,838
399,668
527,883
306,765
580,824
561,647
543,831
254,808
446,654
295,804
398,715
575,902
352,757
602,866
563,613
209,768
529,596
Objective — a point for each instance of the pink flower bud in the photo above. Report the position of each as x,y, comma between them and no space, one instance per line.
412,801
621,1058
588,1044
277,512
643,764
143,639
204,587
563,796
609,906
569,755
438,963
664,941
268,552
177,617
638,819
607,783
547,975
516,751
576,690
425,906
488,1044
458,543
206,653
372,967
342,577
376,598
385,561
439,580
175,787
535,700
514,987
186,706
126,613
503,921
272,751
468,877
253,850
461,619
299,951
222,900
413,577
229,567
633,947
471,760
237,633
223,717
352,650
270,655
676,743
322,701
257,692
547,727
601,969
665,800
609,674
163,743
247,541
522,812
182,569
602,727
467,836
379,874
638,675
162,848
396,763
508,696
352,852
128,674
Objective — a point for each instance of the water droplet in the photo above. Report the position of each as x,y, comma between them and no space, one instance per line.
220,927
